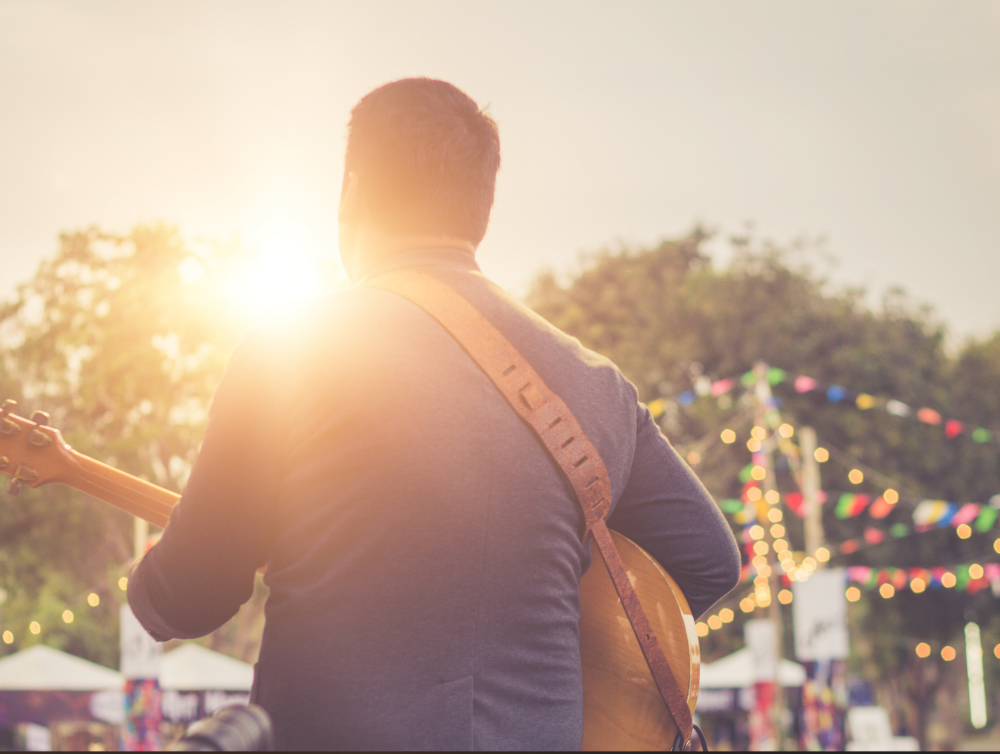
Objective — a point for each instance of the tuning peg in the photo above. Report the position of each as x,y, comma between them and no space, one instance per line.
7,427
36,438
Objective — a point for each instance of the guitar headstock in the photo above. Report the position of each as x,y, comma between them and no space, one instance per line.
31,453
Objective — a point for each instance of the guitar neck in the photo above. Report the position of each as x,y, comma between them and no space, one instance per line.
131,494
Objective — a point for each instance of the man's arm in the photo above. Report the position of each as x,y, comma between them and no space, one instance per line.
667,511
197,576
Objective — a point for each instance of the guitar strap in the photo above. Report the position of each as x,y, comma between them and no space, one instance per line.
556,426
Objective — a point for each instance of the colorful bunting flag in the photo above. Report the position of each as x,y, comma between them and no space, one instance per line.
880,508
953,428
929,416
804,384
850,505
721,387
864,401
987,517
965,515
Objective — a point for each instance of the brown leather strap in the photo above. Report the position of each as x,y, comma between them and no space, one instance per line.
563,437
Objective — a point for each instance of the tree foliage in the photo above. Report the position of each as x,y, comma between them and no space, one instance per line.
122,340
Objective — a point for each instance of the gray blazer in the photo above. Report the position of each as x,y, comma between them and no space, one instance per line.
423,552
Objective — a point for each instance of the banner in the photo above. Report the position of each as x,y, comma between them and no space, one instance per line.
819,616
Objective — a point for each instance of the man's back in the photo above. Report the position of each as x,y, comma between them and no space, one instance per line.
423,551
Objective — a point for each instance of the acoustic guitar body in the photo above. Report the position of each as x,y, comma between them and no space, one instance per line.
622,708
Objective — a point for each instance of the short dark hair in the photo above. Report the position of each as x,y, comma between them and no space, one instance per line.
426,156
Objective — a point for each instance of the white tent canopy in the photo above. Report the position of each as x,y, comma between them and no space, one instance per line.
191,667
735,671
44,668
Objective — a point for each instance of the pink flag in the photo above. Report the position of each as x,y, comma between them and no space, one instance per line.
721,387
804,384
966,514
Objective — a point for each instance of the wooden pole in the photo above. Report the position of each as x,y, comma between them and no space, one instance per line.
813,512
769,488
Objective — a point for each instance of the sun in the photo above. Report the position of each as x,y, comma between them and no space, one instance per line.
287,265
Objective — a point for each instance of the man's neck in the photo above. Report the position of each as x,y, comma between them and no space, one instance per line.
371,248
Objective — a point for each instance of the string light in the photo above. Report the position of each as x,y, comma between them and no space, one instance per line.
917,586
996,545
726,615
785,597
890,496
774,515
701,629
67,616
8,637
747,606
758,433
948,654
822,555
786,430
753,445
923,650
728,436
123,583
34,627
780,545
756,532
853,594
948,580
975,571
822,455
887,591
758,473
694,458
93,599
754,494
855,476
964,531
777,531
715,623
760,548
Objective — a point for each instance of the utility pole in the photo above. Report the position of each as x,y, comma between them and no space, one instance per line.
810,484
768,485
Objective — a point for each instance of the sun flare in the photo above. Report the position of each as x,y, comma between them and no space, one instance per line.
287,265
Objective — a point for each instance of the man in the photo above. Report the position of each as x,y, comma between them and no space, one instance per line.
423,551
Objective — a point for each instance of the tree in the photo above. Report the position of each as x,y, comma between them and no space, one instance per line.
668,317
122,339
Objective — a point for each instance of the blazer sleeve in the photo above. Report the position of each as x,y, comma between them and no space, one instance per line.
668,512
203,568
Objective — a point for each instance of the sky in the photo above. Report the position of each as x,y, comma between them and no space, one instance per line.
874,125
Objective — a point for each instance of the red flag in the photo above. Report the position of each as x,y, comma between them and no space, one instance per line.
873,536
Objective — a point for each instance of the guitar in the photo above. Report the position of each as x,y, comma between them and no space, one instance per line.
623,709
